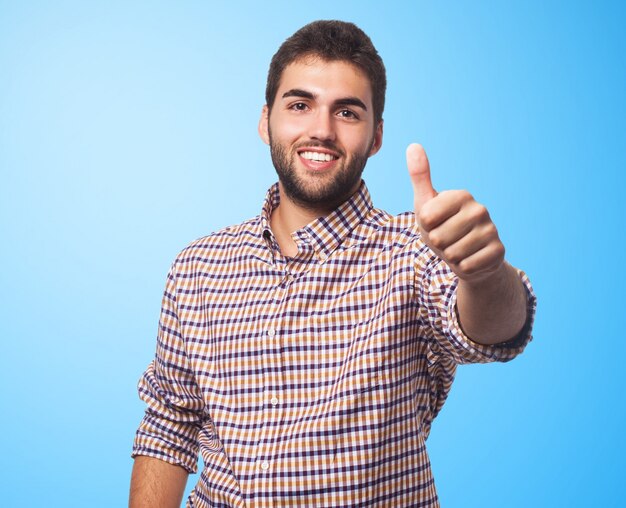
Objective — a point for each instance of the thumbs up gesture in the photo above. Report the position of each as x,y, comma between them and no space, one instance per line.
456,227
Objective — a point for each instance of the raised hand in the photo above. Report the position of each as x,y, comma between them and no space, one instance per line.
453,224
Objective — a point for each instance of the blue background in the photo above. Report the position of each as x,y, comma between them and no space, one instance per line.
128,129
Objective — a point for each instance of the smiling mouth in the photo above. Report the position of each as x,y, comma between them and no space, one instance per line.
318,156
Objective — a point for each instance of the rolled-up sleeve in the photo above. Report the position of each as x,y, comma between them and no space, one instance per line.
437,285
175,407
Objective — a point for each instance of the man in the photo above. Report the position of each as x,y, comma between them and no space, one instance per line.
306,352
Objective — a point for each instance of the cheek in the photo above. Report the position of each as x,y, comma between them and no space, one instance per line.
360,142
285,131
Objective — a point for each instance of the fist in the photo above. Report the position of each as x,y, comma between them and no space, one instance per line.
453,224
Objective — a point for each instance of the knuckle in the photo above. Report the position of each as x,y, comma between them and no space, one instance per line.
464,196
425,219
491,231
481,213
436,239
452,255
467,267
499,251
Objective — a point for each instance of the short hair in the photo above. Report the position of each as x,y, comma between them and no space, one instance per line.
331,40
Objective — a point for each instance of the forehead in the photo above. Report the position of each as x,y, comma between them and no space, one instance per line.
327,80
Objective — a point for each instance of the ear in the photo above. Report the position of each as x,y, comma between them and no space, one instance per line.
378,139
264,130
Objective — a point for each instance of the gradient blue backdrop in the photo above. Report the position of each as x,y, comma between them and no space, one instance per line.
128,129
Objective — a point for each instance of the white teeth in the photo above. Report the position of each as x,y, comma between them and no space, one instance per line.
318,157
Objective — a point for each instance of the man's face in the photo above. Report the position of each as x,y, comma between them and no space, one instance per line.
321,131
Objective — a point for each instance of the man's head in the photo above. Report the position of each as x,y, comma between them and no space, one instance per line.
331,41
323,117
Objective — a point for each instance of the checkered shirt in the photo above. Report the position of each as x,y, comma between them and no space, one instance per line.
308,381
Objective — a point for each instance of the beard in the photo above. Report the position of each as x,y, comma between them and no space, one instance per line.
317,193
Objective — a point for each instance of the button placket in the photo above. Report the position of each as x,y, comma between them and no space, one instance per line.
270,359
270,415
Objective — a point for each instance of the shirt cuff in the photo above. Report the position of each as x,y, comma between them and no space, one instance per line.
503,351
161,439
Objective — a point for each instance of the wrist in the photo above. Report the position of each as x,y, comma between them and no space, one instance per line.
493,278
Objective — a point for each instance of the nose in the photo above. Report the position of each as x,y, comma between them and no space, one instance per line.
322,126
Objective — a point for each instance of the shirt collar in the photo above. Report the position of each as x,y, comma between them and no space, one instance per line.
327,233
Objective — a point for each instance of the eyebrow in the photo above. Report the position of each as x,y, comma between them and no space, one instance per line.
296,92
346,101
351,101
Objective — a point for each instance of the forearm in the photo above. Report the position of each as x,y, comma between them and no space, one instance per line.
493,310
156,483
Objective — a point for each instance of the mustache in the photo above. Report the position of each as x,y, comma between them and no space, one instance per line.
328,145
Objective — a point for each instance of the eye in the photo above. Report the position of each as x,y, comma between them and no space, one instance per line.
348,114
298,106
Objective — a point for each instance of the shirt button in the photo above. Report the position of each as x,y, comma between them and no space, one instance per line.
265,465
274,401
271,333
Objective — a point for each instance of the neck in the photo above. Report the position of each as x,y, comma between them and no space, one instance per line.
288,217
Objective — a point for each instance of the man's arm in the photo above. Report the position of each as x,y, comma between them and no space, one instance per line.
168,432
493,310
491,299
156,483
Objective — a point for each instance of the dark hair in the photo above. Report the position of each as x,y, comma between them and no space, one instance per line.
331,41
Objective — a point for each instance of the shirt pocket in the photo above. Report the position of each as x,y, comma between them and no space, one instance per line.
355,420
352,357
357,388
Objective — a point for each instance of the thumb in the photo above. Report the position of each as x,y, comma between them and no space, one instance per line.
419,171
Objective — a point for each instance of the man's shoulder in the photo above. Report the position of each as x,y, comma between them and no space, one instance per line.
221,243
388,224
381,229
402,221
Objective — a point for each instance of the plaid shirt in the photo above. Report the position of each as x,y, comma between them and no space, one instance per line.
312,380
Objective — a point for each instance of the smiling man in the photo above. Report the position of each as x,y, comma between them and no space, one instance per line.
305,352
320,133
